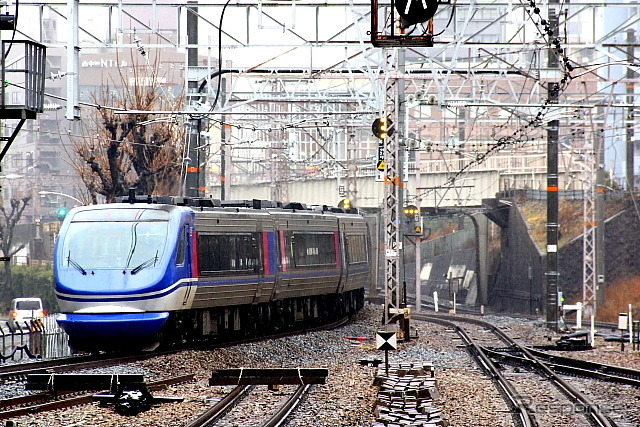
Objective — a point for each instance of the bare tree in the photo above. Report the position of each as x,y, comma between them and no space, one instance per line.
7,226
120,151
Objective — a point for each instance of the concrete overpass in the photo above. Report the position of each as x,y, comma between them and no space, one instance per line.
362,185
469,189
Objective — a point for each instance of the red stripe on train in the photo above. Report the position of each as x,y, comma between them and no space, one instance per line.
194,254
265,252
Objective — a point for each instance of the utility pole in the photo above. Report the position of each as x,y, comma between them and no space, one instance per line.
73,71
552,213
418,202
631,183
73,53
553,90
392,187
223,142
352,182
600,225
192,163
401,134
589,228
223,161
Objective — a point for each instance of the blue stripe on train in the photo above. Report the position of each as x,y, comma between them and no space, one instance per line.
271,251
234,281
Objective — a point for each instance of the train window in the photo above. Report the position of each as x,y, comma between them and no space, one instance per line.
219,254
357,249
181,247
314,249
286,248
129,245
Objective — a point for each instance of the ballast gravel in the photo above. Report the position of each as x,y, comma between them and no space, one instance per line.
465,395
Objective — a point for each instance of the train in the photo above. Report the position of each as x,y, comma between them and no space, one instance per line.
152,272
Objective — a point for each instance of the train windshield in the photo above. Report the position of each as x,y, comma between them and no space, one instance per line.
115,239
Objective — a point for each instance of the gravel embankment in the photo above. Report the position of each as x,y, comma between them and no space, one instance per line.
466,396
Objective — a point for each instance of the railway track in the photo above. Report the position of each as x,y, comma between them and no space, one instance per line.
568,366
54,398
224,408
20,371
521,407
246,394
521,411
464,397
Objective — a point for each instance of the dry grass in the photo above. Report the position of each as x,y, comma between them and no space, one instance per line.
617,298
445,229
570,218
618,295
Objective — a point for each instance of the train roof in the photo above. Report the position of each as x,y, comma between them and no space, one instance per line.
206,203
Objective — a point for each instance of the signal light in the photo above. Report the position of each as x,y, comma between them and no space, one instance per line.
381,127
411,210
345,204
61,212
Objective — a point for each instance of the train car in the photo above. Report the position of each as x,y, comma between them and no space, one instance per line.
168,270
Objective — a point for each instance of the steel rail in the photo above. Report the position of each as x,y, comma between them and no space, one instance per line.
289,406
221,408
214,413
69,363
593,366
575,367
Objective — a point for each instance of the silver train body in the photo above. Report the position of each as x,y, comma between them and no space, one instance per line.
171,270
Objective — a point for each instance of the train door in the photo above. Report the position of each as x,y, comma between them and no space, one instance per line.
281,260
342,257
264,243
185,260
259,243
271,262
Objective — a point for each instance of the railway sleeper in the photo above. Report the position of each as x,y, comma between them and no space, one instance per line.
76,382
269,376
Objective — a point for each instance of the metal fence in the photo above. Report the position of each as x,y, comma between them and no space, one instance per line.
532,194
39,339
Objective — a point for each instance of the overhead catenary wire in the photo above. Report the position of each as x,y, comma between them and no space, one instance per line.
276,128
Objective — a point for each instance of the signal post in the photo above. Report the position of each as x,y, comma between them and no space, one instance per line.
390,35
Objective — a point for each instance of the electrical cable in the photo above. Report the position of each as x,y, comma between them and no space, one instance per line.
215,101
521,134
453,12
15,27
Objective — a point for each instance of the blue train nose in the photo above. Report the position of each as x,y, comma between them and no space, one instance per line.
112,326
